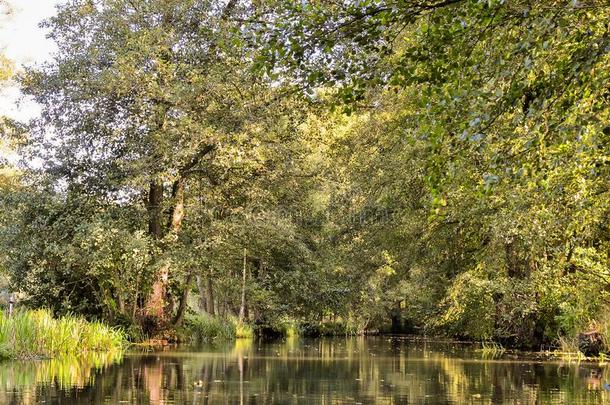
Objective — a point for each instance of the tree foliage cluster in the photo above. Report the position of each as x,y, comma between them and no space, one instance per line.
443,165
482,131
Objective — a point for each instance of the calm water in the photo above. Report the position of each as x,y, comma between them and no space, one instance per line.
339,371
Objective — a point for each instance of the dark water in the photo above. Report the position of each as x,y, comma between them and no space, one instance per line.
339,371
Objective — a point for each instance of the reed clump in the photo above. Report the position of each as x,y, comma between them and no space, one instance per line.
204,328
37,334
243,330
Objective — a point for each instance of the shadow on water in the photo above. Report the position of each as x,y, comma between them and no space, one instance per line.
325,371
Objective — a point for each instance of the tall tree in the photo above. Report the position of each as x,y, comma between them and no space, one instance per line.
500,119
143,95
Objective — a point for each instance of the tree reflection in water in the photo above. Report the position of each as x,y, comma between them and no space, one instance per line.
355,370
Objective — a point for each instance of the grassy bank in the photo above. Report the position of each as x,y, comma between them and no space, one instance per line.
327,329
205,328
36,334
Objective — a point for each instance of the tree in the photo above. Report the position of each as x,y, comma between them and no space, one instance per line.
498,135
154,109
461,186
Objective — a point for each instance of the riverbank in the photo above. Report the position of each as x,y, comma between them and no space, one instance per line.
33,334
203,328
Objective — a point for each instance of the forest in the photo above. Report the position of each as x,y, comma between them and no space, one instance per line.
435,167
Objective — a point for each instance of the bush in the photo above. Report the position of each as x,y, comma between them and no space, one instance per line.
468,309
527,312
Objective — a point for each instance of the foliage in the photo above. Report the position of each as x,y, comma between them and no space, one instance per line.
461,187
486,146
469,308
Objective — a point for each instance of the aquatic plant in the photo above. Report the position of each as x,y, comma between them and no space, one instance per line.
327,328
243,330
201,328
37,334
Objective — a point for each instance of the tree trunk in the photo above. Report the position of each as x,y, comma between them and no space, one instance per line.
396,318
206,293
159,299
203,305
183,300
209,294
242,308
155,302
155,305
154,207
516,265
257,274
120,303
177,212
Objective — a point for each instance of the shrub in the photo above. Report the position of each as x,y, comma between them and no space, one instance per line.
468,309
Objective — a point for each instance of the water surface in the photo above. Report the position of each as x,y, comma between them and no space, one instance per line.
379,370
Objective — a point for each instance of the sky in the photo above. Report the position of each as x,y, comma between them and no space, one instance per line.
25,43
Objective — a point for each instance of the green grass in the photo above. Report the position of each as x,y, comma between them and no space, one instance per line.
339,328
243,331
36,334
204,328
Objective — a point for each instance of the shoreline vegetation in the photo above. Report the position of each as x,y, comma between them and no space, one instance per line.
36,334
199,172
201,328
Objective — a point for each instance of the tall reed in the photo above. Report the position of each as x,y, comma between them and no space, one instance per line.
36,334
202,328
